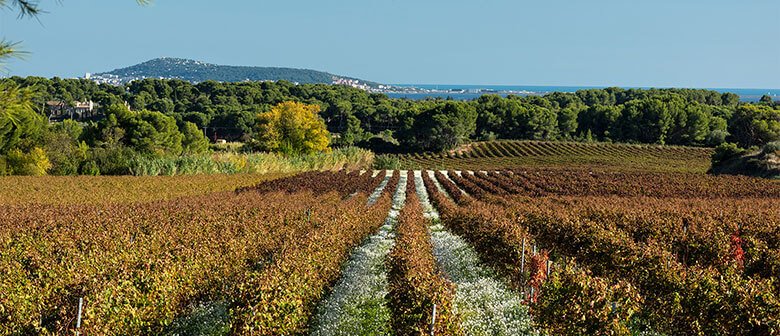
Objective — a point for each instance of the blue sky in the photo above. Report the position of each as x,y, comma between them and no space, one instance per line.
661,43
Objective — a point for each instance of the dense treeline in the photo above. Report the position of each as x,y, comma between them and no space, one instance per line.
29,145
229,110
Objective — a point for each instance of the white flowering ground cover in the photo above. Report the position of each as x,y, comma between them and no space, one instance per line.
422,194
375,195
446,174
487,306
356,306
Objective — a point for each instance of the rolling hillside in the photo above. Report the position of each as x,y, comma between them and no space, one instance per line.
514,153
195,71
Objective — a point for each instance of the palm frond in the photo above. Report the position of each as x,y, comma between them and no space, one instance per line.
26,7
10,50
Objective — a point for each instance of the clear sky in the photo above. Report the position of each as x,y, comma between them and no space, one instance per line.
661,43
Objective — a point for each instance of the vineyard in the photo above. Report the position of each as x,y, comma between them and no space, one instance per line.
240,262
530,250
512,153
118,189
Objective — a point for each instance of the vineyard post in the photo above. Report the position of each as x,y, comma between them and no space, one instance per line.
685,235
531,297
522,266
522,260
433,319
549,264
78,319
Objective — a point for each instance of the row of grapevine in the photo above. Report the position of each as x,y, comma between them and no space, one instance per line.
582,182
356,303
677,299
499,149
681,264
342,182
482,228
697,231
416,286
484,302
507,247
494,154
258,262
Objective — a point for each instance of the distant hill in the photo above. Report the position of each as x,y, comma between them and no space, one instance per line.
195,71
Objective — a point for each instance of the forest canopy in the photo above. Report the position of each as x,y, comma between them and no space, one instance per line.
351,116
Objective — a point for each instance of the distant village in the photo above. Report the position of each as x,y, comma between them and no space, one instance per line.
112,79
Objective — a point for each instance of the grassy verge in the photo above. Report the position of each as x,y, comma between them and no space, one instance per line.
350,158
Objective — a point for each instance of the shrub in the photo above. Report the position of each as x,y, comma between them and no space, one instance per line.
717,137
34,163
114,160
726,151
772,147
90,168
386,161
65,153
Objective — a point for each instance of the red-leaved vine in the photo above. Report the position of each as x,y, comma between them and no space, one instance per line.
736,256
538,268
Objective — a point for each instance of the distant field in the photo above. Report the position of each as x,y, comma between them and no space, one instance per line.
122,189
622,157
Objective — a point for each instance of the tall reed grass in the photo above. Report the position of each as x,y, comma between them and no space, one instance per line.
350,158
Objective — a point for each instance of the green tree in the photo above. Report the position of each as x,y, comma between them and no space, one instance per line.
353,132
34,163
193,141
726,151
729,99
538,123
600,120
754,125
646,121
20,126
63,148
567,120
147,132
440,126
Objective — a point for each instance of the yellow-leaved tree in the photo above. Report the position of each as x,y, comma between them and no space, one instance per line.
291,128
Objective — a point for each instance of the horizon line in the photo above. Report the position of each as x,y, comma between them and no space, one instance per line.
595,86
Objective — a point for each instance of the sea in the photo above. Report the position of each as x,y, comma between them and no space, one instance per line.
747,95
